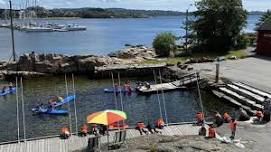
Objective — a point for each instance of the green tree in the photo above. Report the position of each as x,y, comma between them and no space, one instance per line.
164,43
218,24
264,17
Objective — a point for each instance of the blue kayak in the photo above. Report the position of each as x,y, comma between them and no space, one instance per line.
66,100
55,110
111,90
8,91
52,111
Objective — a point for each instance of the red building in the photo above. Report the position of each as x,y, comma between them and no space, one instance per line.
264,39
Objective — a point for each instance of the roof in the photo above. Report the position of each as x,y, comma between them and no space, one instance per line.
266,26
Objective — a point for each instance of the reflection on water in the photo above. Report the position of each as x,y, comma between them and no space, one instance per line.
180,105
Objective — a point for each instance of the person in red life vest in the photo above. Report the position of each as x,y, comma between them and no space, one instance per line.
233,126
127,87
160,123
84,130
259,115
140,127
200,118
212,131
65,133
226,117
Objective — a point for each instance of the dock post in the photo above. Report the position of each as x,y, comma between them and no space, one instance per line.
217,72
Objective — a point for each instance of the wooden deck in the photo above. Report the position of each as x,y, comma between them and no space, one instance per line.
78,143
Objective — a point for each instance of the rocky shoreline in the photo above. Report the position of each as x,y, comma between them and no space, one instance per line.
34,64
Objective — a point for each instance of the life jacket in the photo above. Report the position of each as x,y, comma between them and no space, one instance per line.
140,125
84,128
212,132
226,117
259,114
232,125
64,130
160,122
199,116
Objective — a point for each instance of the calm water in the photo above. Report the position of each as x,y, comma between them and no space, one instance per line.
180,105
102,36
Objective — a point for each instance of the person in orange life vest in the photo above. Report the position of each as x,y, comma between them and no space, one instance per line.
199,118
259,115
160,123
84,130
226,117
212,131
65,133
232,126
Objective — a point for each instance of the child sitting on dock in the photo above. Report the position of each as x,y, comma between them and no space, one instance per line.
159,123
140,127
200,118
65,133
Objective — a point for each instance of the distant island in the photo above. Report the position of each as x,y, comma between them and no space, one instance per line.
88,12
42,12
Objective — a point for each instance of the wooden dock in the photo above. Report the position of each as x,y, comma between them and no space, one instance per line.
179,84
80,143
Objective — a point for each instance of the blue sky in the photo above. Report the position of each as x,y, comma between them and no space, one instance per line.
178,5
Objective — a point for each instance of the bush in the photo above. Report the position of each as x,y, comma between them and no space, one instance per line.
242,42
164,43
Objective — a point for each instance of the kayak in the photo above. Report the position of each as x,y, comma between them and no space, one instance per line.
66,100
8,91
111,90
53,111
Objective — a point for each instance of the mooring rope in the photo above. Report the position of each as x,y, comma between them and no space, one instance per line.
163,96
115,91
157,93
23,112
17,110
69,109
200,99
122,108
74,103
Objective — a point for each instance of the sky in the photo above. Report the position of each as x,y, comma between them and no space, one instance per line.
175,5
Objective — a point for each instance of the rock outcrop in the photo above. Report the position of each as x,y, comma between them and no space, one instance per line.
59,64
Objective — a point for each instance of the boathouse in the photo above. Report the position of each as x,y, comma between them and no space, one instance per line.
264,39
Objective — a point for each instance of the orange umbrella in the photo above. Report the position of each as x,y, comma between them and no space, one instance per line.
106,117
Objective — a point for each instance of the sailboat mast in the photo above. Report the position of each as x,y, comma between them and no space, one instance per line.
12,31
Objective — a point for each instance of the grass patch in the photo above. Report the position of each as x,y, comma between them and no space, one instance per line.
238,53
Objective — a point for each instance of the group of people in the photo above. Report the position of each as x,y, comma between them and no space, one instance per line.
126,87
151,127
51,103
218,121
10,86
262,116
96,129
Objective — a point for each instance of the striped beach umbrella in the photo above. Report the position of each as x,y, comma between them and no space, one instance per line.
106,117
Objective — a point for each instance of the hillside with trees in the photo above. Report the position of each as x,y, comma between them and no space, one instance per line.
96,12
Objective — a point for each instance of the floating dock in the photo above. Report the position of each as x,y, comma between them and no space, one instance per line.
179,84
75,143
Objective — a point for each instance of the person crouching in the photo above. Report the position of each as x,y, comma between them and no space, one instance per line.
65,133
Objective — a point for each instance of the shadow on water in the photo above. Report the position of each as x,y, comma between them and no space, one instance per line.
180,105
